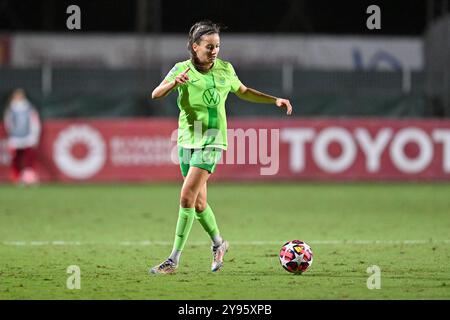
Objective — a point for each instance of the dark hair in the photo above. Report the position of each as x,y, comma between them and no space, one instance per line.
198,30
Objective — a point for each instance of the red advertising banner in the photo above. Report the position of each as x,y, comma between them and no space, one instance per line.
4,50
259,149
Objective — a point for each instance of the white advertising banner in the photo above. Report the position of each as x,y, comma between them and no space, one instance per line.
122,51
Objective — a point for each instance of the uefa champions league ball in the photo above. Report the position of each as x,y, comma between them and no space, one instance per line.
296,256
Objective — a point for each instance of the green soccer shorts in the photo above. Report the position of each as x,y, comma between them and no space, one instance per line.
206,158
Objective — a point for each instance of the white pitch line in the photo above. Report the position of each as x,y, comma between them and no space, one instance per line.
253,243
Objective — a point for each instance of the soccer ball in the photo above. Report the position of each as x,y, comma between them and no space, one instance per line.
296,256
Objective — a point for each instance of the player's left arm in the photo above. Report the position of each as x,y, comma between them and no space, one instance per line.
252,95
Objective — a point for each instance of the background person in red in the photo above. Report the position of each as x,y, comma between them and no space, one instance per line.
23,128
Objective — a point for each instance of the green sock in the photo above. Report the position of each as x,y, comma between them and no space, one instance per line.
208,222
184,225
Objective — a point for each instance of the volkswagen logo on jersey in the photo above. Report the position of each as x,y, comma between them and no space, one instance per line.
211,97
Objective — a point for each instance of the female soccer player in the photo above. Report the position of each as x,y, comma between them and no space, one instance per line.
203,83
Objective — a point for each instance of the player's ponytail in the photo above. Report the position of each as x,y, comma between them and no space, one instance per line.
196,32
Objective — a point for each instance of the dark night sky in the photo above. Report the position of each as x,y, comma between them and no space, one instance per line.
398,17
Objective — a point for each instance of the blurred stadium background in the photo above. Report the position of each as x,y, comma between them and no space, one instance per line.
369,106
321,56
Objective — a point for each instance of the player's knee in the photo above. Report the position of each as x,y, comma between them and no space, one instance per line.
187,199
200,205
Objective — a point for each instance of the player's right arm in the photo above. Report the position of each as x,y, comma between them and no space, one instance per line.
166,86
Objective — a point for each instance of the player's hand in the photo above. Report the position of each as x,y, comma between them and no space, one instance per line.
182,78
284,103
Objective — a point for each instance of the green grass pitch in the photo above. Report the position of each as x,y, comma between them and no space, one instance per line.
114,233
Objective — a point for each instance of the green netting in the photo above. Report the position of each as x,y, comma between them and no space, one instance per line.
125,93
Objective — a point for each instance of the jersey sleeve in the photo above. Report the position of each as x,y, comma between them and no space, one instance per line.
235,82
176,70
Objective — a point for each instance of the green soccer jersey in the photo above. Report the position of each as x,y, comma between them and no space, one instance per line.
201,101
